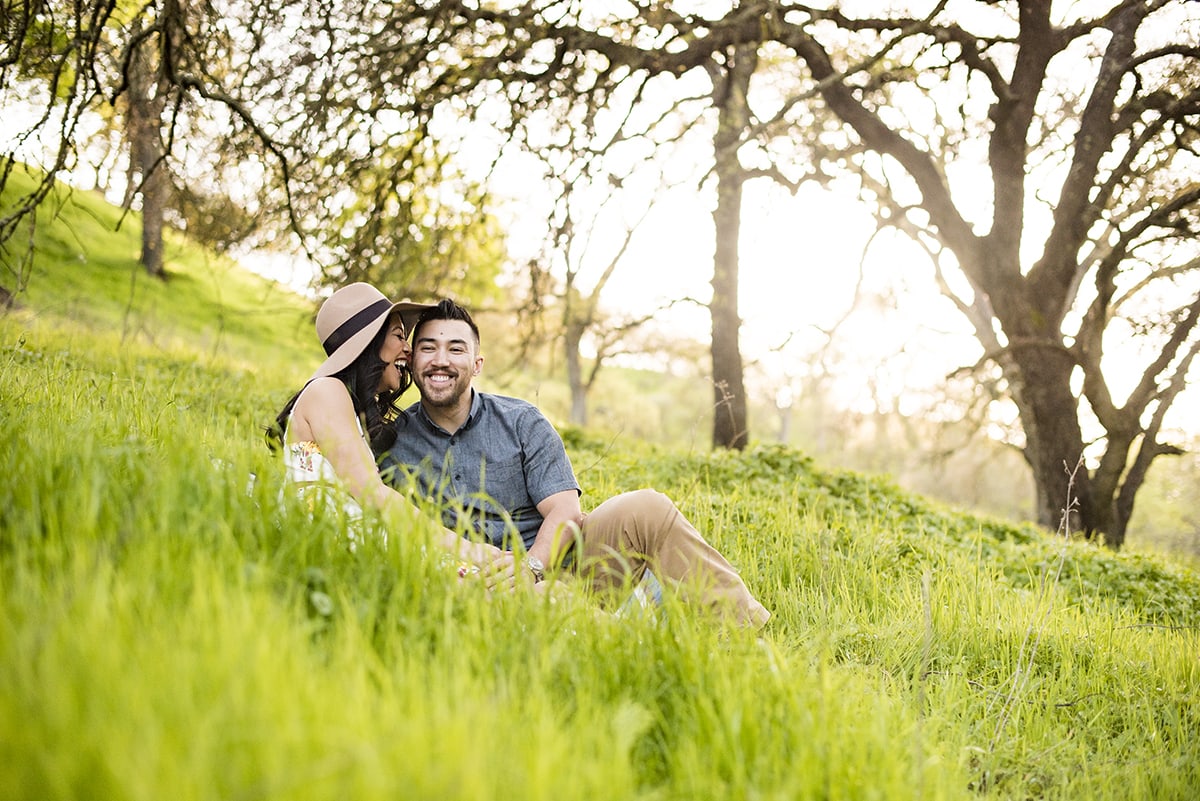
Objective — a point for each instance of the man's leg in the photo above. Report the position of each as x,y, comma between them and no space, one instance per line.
631,531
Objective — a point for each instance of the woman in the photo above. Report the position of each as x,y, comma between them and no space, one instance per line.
334,427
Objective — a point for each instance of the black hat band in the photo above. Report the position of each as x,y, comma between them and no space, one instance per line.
355,324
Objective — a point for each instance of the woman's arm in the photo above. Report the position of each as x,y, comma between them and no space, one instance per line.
324,414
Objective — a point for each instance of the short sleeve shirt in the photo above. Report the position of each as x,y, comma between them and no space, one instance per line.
490,475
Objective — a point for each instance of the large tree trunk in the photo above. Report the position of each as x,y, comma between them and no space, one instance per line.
153,199
729,393
730,424
1041,383
573,336
147,168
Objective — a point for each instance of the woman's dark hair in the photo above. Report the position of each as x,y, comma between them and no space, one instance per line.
376,410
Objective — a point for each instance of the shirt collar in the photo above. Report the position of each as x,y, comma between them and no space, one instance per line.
476,407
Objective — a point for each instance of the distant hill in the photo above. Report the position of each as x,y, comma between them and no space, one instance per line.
85,270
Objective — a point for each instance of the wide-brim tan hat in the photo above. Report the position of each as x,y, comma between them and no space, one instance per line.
349,320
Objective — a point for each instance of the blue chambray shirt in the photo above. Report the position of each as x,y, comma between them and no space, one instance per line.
489,475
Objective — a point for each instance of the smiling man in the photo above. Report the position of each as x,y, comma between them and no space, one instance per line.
501,472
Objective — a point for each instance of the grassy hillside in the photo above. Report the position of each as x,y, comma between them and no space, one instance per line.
86,271
171,627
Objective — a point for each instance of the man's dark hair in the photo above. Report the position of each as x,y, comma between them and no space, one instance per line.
445,309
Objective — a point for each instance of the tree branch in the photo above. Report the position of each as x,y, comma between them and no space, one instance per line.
1050,278
878,136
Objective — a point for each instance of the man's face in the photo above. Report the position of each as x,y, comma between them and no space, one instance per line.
444,361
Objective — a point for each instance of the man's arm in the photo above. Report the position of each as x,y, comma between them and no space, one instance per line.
562,517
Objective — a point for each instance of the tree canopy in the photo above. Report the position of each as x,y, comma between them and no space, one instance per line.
246,121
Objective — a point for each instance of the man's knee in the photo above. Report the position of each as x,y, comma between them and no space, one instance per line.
647,508
641,510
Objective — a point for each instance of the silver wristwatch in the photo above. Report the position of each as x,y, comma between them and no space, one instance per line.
536,568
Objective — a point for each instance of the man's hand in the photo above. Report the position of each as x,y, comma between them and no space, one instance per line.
501,572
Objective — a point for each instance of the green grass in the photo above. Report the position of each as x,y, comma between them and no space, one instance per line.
171,629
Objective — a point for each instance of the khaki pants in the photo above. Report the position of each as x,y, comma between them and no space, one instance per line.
635,530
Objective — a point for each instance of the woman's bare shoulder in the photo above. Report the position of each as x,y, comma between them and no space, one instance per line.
324,388
321,398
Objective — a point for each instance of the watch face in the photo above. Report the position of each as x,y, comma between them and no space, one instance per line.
536,568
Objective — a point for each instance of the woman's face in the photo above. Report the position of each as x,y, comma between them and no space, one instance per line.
395,351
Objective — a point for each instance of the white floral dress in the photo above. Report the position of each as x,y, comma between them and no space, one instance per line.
314,477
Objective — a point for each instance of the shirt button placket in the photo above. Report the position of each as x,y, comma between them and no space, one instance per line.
454,458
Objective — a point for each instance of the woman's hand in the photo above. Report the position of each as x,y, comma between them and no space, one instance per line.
482,561
479,554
